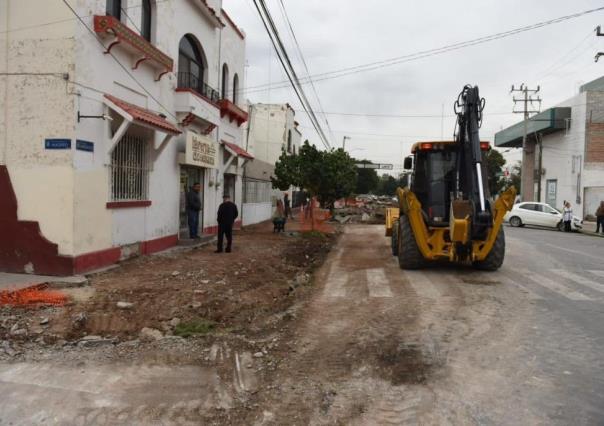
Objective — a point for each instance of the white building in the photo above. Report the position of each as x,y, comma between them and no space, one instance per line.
271,129
571,136
109,111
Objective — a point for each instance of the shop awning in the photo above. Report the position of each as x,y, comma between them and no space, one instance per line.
237,150
139,115
549,121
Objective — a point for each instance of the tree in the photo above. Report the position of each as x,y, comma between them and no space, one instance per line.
387,185
339,177
328,175
367,179
286,171
495,178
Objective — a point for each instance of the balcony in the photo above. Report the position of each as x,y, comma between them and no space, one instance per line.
232,111
188,81
197,101
143,51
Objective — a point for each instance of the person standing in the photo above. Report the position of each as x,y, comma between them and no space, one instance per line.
288,211
193,206
567,216
600,218
227,213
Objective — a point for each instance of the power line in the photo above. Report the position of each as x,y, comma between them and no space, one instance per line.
117,61
301,55
293,74
422,54
288,68
60,21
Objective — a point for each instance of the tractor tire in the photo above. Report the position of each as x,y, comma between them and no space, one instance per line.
494,259
394,238
515,221
409,255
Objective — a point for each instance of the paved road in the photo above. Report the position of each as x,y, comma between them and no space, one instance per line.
447,345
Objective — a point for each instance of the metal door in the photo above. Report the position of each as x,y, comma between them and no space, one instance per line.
551,189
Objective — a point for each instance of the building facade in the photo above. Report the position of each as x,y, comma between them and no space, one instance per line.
569,160
110,110
271,129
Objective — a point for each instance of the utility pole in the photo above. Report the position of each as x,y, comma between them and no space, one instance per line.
527,189
344,142
599,33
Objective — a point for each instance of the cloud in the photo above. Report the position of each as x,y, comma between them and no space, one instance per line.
337,34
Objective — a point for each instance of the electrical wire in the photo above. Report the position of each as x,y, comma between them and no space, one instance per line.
283,58
301,55
117,61
293,74
422,54
61,21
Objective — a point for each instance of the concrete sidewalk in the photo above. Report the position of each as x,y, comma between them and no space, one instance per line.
590,229
19,281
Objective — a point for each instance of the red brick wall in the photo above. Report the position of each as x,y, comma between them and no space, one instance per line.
594,146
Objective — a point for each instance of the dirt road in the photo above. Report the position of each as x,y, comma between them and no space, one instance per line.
378,345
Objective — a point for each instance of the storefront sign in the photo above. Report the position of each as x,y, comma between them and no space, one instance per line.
57,143
201,151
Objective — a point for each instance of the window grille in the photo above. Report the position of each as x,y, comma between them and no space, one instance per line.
130,169
257,191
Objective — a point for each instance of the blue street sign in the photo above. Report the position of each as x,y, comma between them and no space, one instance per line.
57,143
84,145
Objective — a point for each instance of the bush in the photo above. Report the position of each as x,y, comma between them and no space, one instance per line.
188,329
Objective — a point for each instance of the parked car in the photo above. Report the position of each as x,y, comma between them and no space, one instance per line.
540,214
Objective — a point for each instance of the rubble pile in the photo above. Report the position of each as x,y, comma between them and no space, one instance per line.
364,209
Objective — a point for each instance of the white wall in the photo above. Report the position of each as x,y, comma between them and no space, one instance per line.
66,191
269,125
256,213
35,106
558,151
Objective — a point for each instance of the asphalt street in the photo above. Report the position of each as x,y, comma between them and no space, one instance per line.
562,274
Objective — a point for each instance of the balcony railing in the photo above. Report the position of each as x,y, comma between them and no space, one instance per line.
186,80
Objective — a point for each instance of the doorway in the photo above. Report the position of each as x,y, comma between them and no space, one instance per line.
551,189
188,176
229,185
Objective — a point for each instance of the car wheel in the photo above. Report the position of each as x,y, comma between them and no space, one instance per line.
560,226
515,221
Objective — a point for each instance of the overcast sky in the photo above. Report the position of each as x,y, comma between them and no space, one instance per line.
337,34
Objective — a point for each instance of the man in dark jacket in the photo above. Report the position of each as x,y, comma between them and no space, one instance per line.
227,213
193,206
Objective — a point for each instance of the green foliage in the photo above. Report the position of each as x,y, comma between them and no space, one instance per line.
388,184
495,163
367,180
328,175
287,171
188,329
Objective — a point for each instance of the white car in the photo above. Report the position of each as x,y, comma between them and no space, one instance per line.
540,214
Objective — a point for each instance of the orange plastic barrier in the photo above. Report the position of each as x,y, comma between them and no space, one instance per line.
313,218
38,295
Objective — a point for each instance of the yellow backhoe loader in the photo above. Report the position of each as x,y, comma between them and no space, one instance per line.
444,213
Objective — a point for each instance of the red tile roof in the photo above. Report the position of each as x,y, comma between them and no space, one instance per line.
238,150
144,115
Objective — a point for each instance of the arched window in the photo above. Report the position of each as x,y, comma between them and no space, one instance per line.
191,66
289,141
235,88
114,8
225,81
146,19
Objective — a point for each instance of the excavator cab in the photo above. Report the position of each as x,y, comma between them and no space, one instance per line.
433,168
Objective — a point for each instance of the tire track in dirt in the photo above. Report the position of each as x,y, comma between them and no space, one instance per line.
361,359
